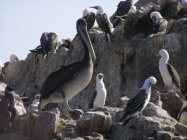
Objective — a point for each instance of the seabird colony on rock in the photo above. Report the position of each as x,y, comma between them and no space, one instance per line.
137,104
104,22
169,74
65,83
48,43
159,23
100,93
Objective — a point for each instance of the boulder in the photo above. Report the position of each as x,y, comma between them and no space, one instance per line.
36,126
172,103
94,122
156,123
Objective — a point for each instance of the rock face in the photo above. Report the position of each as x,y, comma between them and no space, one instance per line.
36,126
156,124
94,122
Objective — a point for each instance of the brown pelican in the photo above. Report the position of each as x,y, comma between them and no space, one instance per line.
159,24
63,84
137,104
100,93
169,74
90,18
104,22
48,43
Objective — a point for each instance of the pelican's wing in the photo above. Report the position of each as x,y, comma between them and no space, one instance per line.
58,78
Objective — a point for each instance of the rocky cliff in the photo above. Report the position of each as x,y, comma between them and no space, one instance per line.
126,63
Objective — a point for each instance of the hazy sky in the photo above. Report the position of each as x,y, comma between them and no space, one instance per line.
23,21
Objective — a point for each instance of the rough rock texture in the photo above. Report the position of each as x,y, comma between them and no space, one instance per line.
94,122
172,103
36,126
156,124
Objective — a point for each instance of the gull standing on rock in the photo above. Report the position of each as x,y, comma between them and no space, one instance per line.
137,104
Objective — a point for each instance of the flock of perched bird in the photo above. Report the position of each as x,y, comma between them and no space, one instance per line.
62,85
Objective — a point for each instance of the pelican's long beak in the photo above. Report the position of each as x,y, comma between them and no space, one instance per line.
83,33
95,7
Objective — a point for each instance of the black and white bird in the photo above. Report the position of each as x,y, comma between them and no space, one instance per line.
63,84
33,107
100,93
48,43
124,7
7,110
159,24
90,18
169,74
66,43
137,104
182,117
104,22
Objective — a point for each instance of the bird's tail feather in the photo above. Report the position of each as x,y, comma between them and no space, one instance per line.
125,120
108,38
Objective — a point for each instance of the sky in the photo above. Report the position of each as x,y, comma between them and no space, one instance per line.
23,22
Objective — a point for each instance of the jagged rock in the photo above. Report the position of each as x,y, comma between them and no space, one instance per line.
36,126
123,101
94,122
172,103
156,99
12,136
94,136
155,119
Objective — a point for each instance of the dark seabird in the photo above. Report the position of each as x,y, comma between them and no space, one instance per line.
100,93
63,84
159,24
104,22
7,110
90,18
182,117
48,43
66,43
137,104
169,74
124,7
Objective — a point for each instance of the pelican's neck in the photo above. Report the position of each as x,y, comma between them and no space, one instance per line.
87,54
